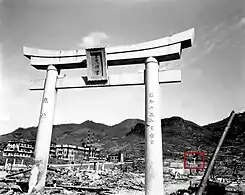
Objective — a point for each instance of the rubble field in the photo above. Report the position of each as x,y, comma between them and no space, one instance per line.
74,181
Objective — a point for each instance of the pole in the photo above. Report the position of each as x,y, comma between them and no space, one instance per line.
14,162
204,180
153,133
6,163
44,132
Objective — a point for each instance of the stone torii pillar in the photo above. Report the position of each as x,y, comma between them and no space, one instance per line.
97,60
44,132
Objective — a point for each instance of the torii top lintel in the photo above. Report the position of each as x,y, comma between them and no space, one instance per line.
164,49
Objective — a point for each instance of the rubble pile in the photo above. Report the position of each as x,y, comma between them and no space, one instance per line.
77,182
9,187
137,166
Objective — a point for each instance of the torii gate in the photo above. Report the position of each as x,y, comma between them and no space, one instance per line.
97,60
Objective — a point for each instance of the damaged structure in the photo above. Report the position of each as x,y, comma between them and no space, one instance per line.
18,153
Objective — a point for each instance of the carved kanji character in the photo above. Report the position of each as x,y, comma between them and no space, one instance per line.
151,114
96,59
45,100
151,101
151,94
151,135
97,72
43,115
151,120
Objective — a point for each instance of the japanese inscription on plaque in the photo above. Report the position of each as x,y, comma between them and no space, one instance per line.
96,64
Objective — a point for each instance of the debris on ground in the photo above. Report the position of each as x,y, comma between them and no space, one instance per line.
76,182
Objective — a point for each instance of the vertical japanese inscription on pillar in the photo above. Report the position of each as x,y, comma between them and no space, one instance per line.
45,100
43,114
96,64
151,117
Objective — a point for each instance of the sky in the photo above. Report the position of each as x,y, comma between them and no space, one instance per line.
213,72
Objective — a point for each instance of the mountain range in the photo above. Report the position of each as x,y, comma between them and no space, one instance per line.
179,135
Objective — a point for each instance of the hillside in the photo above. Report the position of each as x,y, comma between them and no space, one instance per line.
236,133
64,133
179,135
234,144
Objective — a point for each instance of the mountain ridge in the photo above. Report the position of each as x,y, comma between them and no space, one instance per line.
128,136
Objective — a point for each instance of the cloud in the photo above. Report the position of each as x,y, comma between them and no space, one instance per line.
93,39
172,65
217,28
210,47
216,37
130,2
240,23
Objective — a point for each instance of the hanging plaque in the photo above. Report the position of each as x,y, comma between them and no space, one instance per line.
96,64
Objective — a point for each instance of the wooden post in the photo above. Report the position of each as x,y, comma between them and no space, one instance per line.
211,163
153,133
44,133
